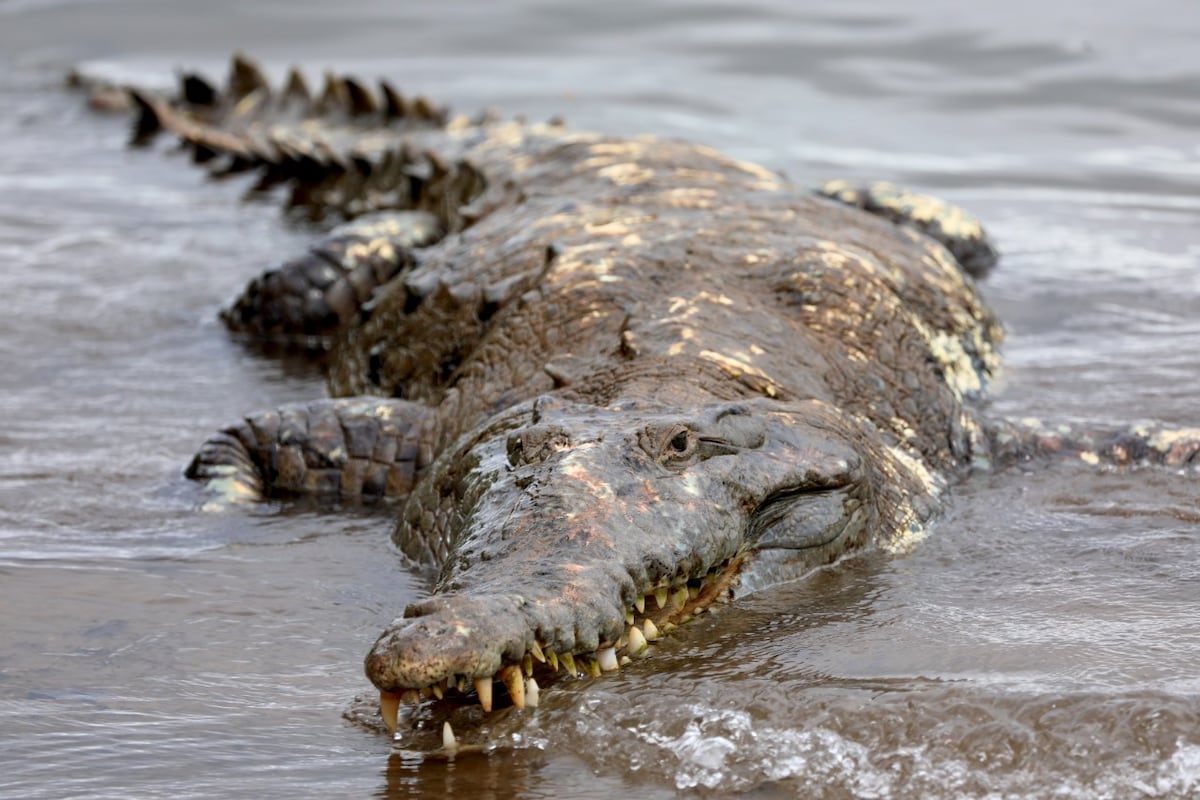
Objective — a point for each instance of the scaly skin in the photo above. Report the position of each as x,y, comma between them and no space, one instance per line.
627,378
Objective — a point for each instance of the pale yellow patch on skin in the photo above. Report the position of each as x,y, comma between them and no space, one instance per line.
577,262
960,371
680,303
700,175
362,251
573,466
685,336
690,197
509,137
739,368
902,428
627,174
688,305
629,148
760,256
911,530
766,178
1165,440
921,208
1088,457
718,299
610,228
229,488
957,365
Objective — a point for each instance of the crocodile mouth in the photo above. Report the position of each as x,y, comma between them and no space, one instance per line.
658,609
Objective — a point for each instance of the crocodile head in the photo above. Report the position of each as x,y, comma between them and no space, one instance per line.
571,535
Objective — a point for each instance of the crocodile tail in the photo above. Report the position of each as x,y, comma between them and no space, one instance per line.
248,106
348,450
346,149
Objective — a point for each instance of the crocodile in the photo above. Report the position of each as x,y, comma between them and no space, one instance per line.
605,384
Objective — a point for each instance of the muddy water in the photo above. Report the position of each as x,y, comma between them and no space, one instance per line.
1042,642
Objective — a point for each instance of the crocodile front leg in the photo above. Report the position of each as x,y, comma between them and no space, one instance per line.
358,449
307,299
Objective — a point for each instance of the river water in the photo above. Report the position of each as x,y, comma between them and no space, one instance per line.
1043,642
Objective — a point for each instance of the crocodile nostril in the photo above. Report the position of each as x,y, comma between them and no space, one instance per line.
535,444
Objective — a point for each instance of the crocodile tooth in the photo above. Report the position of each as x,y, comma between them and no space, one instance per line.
637,640
448,739
650,629
568,662
483,688
640,604
389,707
552,660
625,661
532,693
693,592
607,659
535,650
629,616
591,666
410,696
660,596
514,681
679,597
527,664
437,691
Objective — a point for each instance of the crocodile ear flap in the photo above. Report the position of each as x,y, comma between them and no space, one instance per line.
736,426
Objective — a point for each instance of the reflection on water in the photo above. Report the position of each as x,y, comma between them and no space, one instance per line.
1042,642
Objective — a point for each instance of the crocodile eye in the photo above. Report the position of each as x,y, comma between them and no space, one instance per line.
676,447
680,447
